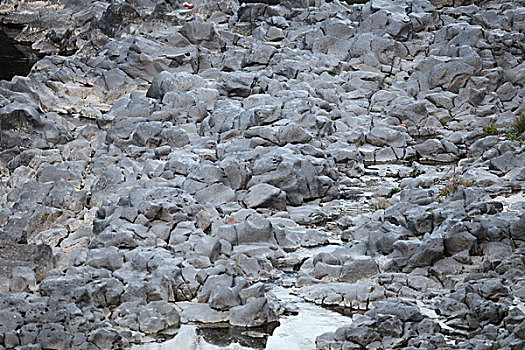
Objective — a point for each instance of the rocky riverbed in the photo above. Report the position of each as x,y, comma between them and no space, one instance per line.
167,169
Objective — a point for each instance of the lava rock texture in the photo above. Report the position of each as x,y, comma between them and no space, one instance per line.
161,165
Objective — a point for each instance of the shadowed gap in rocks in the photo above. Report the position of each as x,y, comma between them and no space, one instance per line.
255,338
15,59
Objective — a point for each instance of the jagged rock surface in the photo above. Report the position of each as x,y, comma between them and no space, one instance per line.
161,164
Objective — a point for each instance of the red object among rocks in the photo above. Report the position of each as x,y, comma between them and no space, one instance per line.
190,6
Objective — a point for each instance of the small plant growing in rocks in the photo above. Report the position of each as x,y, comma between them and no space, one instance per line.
518,128
519,123
490,130
453,184
494,346
381,203
394,190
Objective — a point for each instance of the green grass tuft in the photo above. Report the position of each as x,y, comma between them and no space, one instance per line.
394,190
518,128
453,185
381,203
519,124
490,130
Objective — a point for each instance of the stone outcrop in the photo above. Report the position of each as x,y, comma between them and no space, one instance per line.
164,165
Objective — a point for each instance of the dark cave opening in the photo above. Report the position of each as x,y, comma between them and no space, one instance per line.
15,58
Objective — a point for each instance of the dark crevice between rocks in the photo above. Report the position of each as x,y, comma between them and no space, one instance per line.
15,58
223,336
345,311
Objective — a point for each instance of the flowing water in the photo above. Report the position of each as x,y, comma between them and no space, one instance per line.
293,332
297,332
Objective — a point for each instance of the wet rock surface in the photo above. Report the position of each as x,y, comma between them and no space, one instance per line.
164,166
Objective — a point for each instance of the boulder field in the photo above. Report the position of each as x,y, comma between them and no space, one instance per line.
163,165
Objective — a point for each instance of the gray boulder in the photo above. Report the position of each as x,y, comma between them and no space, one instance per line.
259,54
387,136
456,242
224,299
37,258
106,338
255,231
517,229
11,320
214,282
202,34
157,316
54,336
23,125
404,309
181,82
430,250
301,178
117,17
357,268
265,196
507,161
256,312
237,84
109,258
